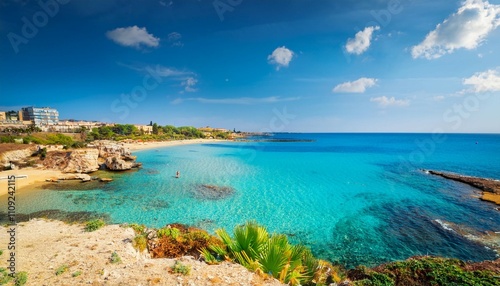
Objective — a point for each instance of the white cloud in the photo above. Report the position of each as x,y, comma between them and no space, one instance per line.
162,71
186,79
361,41
467,29
357,86
487,81
385,101
438,97
238,100
280,57
189,84
133,37
174,39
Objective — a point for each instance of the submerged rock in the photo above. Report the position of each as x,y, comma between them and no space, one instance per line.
212,192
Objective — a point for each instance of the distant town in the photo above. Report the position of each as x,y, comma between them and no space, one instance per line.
46,119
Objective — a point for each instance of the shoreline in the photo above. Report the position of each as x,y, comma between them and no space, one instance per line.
139,146
36,177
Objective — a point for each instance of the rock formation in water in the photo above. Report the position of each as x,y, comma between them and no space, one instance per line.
212,192
490,187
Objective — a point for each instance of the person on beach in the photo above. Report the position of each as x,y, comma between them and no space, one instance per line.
178,174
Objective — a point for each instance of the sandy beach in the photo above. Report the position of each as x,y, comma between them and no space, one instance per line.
152,145
38,176
35,176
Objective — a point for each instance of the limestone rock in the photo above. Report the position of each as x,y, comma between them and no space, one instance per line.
76,161
111,149
16,155
118,164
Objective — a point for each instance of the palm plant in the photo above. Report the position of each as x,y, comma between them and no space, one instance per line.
255,249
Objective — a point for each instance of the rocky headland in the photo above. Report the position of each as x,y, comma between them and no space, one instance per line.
72,164
490,188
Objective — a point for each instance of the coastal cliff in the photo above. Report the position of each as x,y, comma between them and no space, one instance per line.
489,187
97,155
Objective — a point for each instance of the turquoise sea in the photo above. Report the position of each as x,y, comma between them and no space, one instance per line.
352,198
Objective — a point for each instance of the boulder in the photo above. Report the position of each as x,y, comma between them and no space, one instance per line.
105,180
118,164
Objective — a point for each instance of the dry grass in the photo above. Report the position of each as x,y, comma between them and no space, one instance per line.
5,147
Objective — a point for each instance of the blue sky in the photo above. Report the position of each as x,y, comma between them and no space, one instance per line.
317,66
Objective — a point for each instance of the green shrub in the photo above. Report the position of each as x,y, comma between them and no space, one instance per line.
7,139
181,268
78,144
61,269
140,242
43,153
138,228
59,139
115,258
255,249
4,276
76,273
94,225
423,271
169,231
1,251
21,278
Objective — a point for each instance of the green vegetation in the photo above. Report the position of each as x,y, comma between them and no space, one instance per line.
177,240
423,271
180,268
115,258
43,153
4,276
138,228
94,225
21,278
1,251
61,269
257,250
169,231
76,273
140,242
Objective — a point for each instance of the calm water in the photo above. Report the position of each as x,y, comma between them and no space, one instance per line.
352,198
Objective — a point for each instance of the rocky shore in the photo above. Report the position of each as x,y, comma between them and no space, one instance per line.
490,188
56,253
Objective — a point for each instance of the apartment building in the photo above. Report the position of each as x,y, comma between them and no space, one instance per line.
43,117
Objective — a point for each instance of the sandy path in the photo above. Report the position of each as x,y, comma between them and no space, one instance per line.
43,246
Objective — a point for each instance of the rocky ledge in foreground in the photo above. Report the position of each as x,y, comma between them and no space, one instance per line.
490,187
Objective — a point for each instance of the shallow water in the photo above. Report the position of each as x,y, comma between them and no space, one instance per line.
352,198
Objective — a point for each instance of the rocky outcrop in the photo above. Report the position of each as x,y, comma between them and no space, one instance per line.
114,156
16,155
117,164
487,185
490,187
75,161
110,149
